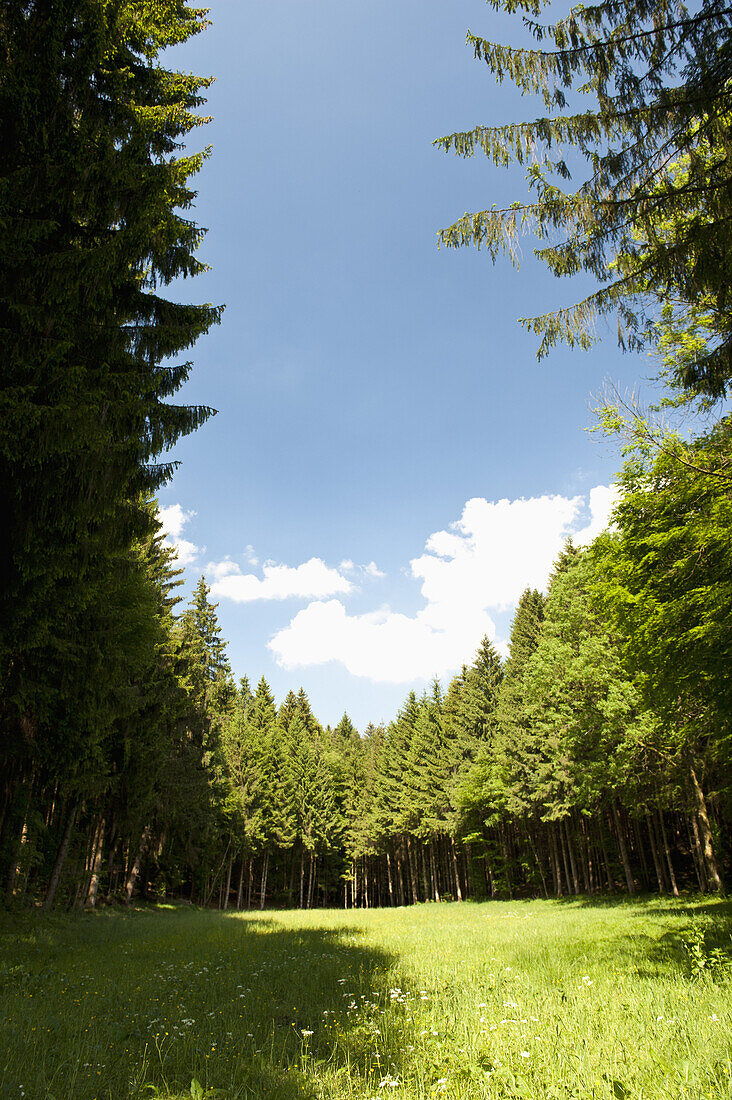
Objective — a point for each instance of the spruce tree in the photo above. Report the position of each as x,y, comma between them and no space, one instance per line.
95,188
659,75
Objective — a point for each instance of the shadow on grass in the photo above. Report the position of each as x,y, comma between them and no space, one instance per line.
126,1006
698,947
700,903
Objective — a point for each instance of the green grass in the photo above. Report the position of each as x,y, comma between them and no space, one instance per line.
524,999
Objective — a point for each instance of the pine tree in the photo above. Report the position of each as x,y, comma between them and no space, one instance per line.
425,781
660,77
262,713
209,680
93,195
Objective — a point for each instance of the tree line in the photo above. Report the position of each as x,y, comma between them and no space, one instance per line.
594,760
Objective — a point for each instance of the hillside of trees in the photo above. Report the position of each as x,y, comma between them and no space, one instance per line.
594,760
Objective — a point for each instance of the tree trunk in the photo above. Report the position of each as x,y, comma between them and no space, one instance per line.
556,868
434,892
572,858
506,858
60,859
23,868
302,874
606,862
585,857
311,877
412,872
227,888
112,871
14,831
667,853
389,880
421,856
645,874
96,866
130,885
263,885
538,862
456,870
562,842
620,833
714,874
240,891
698,854
467,857
654,852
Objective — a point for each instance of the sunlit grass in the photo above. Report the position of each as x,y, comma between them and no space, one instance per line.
522,999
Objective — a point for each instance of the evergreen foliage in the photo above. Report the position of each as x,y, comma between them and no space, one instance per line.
651,220
94,186
591,761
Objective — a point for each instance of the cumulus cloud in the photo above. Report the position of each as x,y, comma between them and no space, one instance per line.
603,499
480,564
381,645
173,519
312,579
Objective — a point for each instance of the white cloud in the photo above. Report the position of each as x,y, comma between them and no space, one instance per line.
603,499
312,579
482,563
173,519
370,570
381,645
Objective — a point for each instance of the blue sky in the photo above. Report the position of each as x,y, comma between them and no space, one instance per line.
368,385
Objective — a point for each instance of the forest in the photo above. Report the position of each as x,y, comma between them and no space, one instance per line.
595,759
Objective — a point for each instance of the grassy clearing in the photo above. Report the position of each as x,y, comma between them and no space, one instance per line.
524,999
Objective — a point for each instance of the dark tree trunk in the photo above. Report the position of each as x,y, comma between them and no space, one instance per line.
667,854
60,859
698,854
620,833
227,888
263,884
572,859
240,891
456,870
654,852
412,872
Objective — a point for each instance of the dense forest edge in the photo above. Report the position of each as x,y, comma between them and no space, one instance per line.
596,758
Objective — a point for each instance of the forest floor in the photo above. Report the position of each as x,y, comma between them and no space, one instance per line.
546,1000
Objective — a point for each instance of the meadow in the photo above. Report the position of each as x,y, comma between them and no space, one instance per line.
539,999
